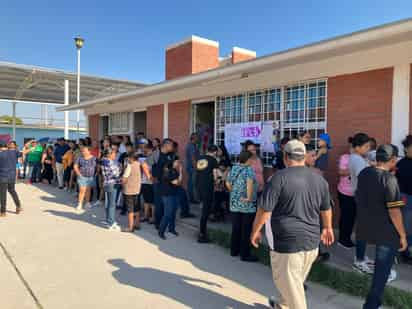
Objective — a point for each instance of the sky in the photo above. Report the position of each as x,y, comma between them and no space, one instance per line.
127,39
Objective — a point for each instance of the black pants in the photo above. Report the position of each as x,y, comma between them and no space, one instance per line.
207,203
242,224
4,187
219,200
347,216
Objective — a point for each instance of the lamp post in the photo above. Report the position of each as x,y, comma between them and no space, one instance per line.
79,44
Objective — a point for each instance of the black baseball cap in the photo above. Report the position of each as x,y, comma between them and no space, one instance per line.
385,153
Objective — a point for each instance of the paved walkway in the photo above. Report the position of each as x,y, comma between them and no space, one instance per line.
66,260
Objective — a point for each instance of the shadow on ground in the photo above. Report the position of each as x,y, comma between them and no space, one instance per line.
183,289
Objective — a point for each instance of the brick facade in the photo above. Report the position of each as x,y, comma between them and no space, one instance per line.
93,124
239,56
360,102
179,124
189,58
154,121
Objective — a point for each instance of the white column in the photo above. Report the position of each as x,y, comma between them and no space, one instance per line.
400,103
165,120
14,120
66,113
78,94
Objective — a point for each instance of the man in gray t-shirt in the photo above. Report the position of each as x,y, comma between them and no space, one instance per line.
295,198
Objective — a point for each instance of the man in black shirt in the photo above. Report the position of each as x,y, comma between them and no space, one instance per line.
379,220
295,198
404,176
157,172
205,167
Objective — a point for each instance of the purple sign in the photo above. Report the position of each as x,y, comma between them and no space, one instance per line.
250,132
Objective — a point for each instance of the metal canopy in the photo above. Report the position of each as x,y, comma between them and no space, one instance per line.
41,85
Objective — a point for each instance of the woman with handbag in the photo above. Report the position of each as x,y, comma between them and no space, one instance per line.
243,188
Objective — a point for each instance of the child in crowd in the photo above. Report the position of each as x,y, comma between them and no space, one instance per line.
221,195
131,181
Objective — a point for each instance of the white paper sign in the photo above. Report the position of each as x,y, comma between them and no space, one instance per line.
237,133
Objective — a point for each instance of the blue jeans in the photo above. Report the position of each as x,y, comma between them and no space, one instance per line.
407,221
182,201
360,250
34,171
384,259
169,217
110,202
159,208
190,185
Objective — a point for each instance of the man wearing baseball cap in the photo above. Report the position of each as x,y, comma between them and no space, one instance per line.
379,220
295,198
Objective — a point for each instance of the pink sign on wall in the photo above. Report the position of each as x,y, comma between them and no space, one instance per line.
5,138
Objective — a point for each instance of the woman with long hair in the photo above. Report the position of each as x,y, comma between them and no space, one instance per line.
256,164
47,162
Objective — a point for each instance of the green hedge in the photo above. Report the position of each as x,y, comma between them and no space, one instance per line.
342,281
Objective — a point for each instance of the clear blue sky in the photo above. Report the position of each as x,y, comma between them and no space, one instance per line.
127,39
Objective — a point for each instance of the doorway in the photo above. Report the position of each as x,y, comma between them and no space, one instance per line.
203,123
139,123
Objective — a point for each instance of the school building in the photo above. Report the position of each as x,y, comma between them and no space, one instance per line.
350,83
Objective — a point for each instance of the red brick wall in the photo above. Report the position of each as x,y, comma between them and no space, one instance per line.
360,102
179,61
179,124
239,57
93,124
204,57
154,121
191,57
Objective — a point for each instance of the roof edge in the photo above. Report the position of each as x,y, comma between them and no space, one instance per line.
193,38
334,43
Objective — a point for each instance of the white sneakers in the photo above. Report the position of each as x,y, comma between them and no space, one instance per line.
115,227
96,204
79,208
368,267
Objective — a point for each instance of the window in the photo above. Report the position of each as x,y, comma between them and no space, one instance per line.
296,107
119,123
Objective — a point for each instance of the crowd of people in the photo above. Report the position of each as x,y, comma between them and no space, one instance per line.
294,203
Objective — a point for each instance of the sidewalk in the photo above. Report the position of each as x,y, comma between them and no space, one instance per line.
71,260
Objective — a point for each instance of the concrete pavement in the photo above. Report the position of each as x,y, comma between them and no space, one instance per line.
71,261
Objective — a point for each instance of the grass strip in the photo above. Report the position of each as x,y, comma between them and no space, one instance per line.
346,282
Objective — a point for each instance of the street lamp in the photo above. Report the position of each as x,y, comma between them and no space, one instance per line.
79,44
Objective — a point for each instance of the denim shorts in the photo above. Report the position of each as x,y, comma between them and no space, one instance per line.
85,181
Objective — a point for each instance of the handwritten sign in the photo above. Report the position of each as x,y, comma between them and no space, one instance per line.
238,133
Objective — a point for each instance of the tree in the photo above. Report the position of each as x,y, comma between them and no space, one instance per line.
4,119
